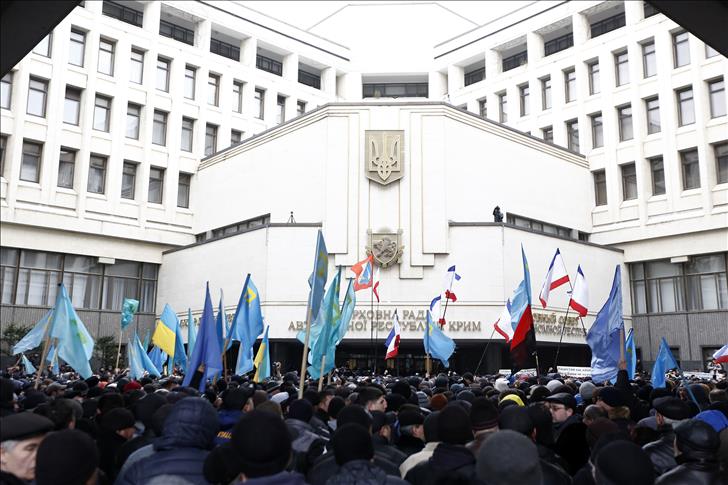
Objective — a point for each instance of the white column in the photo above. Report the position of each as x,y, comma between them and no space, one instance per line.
633,13
580,26
152,15
492,63
534,45
203,34
328,82
437,85
249,51
350,87
455,79
290,67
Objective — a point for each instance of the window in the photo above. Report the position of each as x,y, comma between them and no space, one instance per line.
313,80
163,74
300,108
548,134
3,146
649,9
235,136
122,12
269,65
30,164
706,282
156,184
102,113
72,106
681,48
721,162
690,169
183,190
649,59
237,96
136,69
210,139
234,228
657,169
621,68
652,107
159,128
569,85
66,166
213,90
597,130
538,226
190,75
188,125
133,115
35,280
6,89
607,25
96,174
624,118
281,112
260,103
483,107
716,92
594,81
514,61
77,48
474,76
524,95
710,52
176,32
629,181
572,135
685,106
106,57
37,95
394,90
128,180
44,46
558,44
546,92
503,107
600,187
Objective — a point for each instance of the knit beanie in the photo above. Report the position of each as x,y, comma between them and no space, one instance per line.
117,419
553,384
453,426
430,427
67,457
352,442
354,414
517,419
624,463
586,390
507,458
262,444
300,409
501,384
483,414
438,402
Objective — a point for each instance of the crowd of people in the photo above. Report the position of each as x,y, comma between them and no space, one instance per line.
441,429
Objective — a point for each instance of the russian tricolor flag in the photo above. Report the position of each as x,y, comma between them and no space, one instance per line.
555,277
392,342
721,355
580,294
503,325
363,274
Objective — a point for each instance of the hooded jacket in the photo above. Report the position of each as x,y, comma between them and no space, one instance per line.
306,445
454,462
661,452
694,472
363,472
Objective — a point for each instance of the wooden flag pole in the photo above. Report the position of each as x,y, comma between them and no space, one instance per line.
304,357
428,366
43,354
118,350
621,343
321,374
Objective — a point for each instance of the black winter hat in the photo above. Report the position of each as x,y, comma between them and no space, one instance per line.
430,427
453,426
261,443
118,418
352,442
509,458
516,418
22,426
672,408
67,457
612,396
354,414
410,417
300,409
235,399
402,388
624,463
145,407
695,435
483,414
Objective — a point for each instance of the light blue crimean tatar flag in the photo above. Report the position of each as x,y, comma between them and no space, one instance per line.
207,354
247,325
317,280
158,357
329,318
74,343
347,311
128,309
191,333
27,365
663,363
603,337
630,354
52,359
33,338
139,361
437,344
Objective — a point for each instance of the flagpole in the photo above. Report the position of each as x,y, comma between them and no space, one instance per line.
118,351
304,357
371,320
558,348
485,351
321,374
44,353
376,338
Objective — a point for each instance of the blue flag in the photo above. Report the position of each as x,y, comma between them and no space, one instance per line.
247,325
329,318
663,363
35,337
317,280
191,333
139,361
630,354
603,337
207,354
347,311
52,359
74,343
221,321
158,358
128,309
437,344
27,365
147,339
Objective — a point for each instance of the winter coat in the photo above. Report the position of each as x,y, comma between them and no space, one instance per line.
661,452
319,424
554,475
10,479
570,443
409,445
306,445
326,467
282,478
227,419
109,444
453,463
694,473
393,454
189,433
363,472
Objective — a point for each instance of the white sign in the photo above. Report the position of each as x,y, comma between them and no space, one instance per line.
526,372
570,371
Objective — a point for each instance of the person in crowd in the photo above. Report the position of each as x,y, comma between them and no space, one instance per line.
431,442
67,457
306,443
235,402
507,458
372,399
115,429
622,462
382,436
696,451
669,412
569,431
411,431
20,436
591,413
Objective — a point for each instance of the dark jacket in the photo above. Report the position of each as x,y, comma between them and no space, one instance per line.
282,478
448,463
326,467
571,445
393,454
661,452
319,424
109,444
554,475
307,445
363,472
227,419
694,473
189,433
409,445
10,479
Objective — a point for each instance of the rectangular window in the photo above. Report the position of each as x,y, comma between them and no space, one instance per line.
690,169
224,49
621,68
136,69
213,90
260,103
163,74
281,112
624,118
190,75
569,85
685,106
121,11
681,48
237,96
721,162
558,44
159,128
96,174
235,136
597,130
394,90
44,46
652,107
474,76
6,89
30,164
133,116
38,278
716,92
72,106
710,52
657,169
546,92
503,107
188,126
183,190
156,185
3,145
601,27
548,134
524,94
629,181
210,139
600,187
514,61
106,57
572,135
300,108
37,96
649,59
269,65
313,80
176,32
66,167
77,48
102,113
128,180
594,81
706,282
649,10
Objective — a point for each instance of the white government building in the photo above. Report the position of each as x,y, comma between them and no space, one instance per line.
149,147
